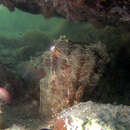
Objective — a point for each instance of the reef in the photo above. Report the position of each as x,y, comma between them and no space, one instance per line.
105,12
73,71
91,116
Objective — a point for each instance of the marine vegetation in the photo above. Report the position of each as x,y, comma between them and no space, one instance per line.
15,50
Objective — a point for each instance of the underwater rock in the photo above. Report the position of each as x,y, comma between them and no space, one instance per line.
106,12
8,4
25,5
10,82
73,71
16,127
93,116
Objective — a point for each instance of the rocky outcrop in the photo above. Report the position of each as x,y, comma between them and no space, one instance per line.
73,71
94,116
108,12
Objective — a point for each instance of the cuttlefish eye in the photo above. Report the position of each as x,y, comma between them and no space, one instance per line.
45,129
52,48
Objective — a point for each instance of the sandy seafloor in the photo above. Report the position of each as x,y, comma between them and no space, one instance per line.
22,117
